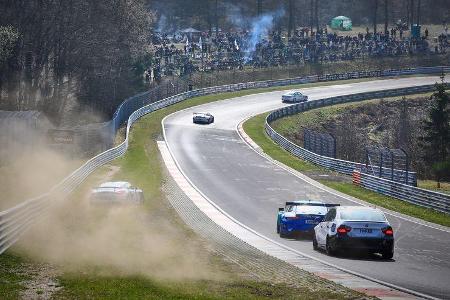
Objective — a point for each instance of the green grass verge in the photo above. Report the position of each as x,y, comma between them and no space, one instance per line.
94,287
254,127
11,276
431,185
141,165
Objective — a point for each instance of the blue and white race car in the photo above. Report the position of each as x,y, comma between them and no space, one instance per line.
355,228
300,216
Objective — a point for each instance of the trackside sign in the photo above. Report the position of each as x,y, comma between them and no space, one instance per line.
59,136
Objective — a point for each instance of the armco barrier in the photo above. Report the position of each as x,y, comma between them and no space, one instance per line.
418,196
14,221
95,138
404,191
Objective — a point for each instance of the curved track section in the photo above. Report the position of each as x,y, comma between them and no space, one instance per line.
250,187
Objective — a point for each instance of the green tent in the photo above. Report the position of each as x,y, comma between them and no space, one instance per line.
341,23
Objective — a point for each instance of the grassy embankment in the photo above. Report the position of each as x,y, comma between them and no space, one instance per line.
142,166
288,127
254,127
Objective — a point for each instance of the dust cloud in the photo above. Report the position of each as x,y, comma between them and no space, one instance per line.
75,235
116,240
32,173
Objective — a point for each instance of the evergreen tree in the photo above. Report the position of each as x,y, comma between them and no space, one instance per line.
437,134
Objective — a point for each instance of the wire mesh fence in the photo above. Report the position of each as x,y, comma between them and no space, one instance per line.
320,143
391,164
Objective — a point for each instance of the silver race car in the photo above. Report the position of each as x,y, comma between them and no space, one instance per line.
203,118
117,192
355,228
294,97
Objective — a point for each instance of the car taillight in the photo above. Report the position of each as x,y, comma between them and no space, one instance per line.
344,229
388,231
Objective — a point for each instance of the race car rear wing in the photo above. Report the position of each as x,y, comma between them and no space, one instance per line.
313,204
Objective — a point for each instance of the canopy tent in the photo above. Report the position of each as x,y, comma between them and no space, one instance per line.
341,23
191,33
190,30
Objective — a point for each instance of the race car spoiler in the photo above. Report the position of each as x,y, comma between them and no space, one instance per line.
313,204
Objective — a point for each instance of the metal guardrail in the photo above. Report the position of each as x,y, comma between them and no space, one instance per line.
407,192
14,221
414,195
95,138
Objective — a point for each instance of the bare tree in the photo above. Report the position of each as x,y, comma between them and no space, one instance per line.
411,9
259,7
316,14
374,18
216,17
418,11
291,21
386,16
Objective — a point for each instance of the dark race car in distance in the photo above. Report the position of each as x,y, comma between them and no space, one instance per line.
203,118
301,216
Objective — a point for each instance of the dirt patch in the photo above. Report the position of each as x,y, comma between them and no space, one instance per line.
43,282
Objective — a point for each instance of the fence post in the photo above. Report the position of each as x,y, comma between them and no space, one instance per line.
407,167
392,165
381,165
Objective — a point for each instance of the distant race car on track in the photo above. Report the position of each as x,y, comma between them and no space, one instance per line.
294,97
203,118
300,216
355,228
117,192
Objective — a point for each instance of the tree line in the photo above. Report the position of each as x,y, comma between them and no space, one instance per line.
210,14
58,54
56,51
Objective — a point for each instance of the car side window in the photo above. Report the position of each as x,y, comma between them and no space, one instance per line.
330,215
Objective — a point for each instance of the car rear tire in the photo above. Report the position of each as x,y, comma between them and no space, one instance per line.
278,228
387,254
329,248
315,246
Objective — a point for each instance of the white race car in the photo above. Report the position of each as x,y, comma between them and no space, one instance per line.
203,118
348,228
117,192
294,97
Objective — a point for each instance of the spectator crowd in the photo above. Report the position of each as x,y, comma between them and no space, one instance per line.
235,50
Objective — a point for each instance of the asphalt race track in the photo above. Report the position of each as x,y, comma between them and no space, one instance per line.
251,188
